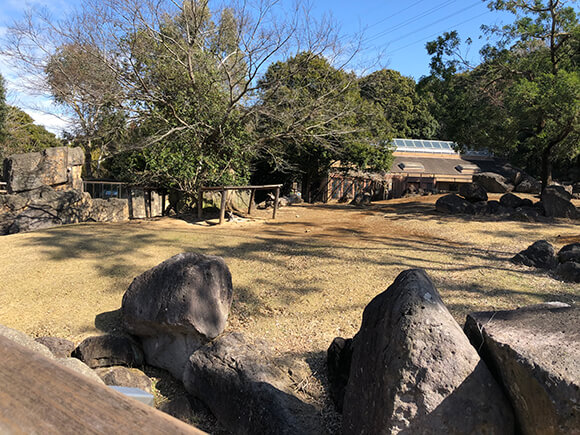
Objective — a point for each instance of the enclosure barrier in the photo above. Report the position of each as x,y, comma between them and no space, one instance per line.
225,191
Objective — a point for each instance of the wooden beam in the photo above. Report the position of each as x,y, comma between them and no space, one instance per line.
276,203
40,396
252,195
199,202
223,205
260,187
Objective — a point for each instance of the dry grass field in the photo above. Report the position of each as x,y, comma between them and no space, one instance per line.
299,281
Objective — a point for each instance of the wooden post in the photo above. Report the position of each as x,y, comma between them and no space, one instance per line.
276,202
252,195
223,206
199,202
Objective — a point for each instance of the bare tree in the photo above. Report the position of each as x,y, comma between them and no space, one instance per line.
177,71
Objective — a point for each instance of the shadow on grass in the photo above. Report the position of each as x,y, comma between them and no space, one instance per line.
113,248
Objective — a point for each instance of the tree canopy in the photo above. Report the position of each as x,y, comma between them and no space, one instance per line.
523,100
312,115
406,112
173,87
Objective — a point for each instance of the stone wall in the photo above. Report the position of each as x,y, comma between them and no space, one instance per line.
45,189
59,168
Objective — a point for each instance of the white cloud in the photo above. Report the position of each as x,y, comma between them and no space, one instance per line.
53,123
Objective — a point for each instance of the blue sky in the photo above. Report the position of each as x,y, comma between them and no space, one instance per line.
397,30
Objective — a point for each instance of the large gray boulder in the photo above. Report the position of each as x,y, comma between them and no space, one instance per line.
473,192
247,390
50,167
556,202
539,254
453,204
492,182
177,306
534,351
413,369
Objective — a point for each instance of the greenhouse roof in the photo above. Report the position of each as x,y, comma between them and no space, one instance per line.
424,146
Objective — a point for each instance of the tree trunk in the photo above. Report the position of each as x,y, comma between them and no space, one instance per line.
88,164
546,167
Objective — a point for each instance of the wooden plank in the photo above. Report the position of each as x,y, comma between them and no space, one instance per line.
252,195
264,187
39,396
277,197
223,206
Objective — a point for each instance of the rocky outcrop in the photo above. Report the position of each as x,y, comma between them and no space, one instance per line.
247,390
413,370
57,167
534,351
109,350
492,182
46,207
42,208
539,254
177,306
557,203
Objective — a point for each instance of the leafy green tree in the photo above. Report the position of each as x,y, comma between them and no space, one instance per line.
523,101
22,135
312,116
406,112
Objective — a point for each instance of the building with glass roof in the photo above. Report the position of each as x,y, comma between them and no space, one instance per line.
419,166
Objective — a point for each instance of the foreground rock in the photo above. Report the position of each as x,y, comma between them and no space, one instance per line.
539,254
178,306
338,359
535,352
556,202
246,390
59,347
109,350
413,369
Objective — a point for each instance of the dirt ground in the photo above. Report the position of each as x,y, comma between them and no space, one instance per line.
299,281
